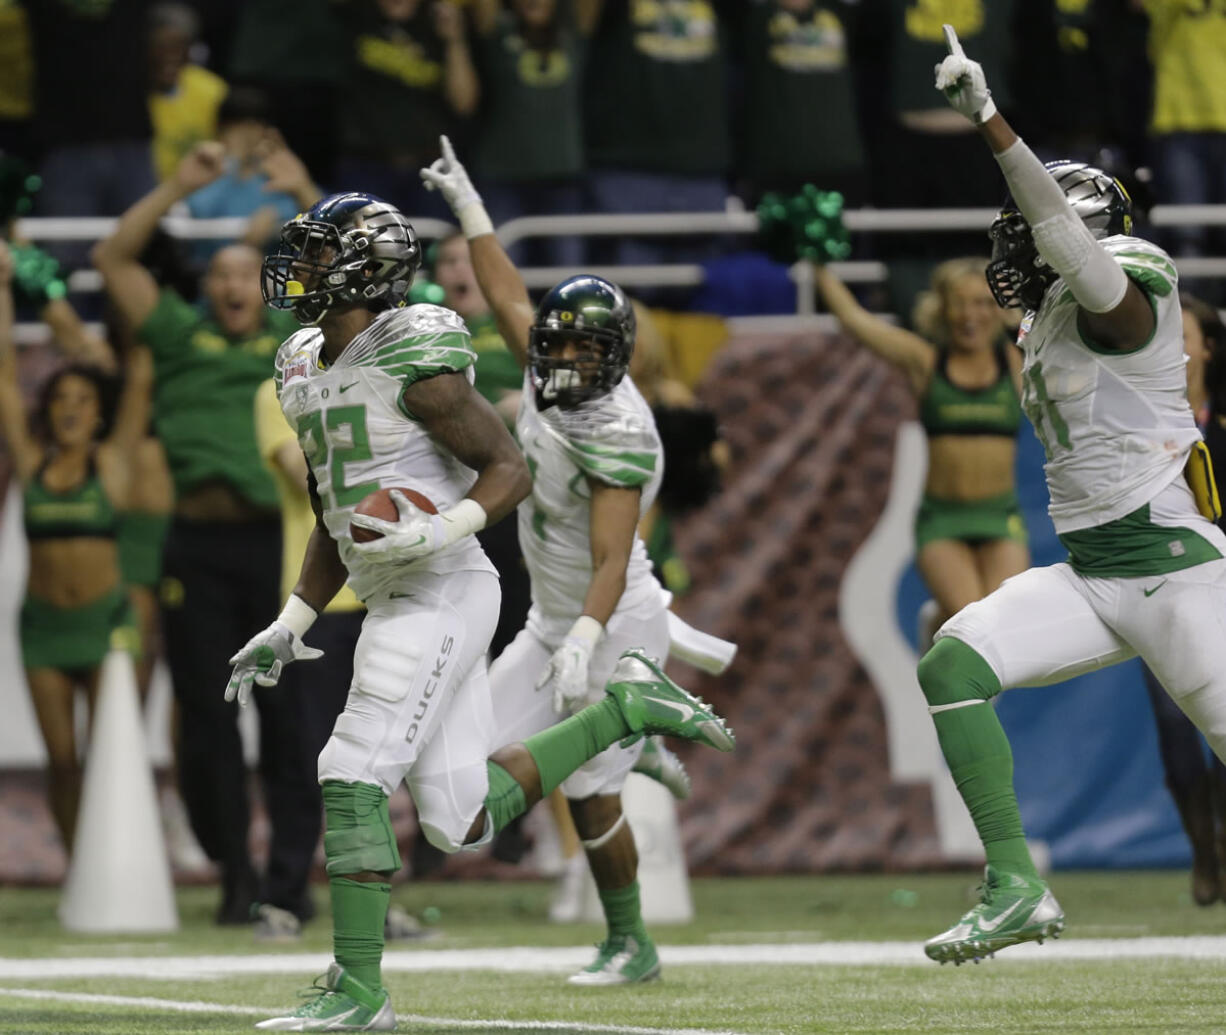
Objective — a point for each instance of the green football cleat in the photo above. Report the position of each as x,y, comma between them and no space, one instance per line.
341,1003
1013,909
652,703
621,960
661,765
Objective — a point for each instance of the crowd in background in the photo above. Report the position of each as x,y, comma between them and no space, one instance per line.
605,105
559,106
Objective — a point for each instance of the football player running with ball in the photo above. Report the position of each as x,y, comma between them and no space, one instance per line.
595,457
1104,386
381,395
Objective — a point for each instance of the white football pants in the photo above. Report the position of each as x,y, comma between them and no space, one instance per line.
521,710
419,706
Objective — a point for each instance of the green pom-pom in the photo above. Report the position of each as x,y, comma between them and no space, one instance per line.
775,232
807,225
36,275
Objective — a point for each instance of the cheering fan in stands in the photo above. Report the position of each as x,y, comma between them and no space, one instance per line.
76,476
223,551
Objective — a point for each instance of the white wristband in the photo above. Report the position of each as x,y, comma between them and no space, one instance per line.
297,615
465,518
986,112
474,220
587,629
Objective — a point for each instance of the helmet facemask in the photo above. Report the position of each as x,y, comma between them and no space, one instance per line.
570,365
1018,276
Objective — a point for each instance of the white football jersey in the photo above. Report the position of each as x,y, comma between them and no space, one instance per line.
611,439
1116,426
357,437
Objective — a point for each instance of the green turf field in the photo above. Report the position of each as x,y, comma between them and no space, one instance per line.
729,972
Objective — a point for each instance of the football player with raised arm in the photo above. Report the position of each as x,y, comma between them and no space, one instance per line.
591,444
380,395
1103,384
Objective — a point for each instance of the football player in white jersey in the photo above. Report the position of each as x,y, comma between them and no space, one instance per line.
596,461
1104,386
381,396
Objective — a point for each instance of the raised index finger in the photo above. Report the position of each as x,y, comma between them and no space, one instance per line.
951,41
448,151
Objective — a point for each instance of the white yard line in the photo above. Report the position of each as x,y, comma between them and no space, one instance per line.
524,960
195,1006
148,1002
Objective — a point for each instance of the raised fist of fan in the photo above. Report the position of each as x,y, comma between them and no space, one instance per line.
200,166
963,83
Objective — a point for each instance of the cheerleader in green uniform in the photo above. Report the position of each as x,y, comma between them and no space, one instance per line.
76,477
969,534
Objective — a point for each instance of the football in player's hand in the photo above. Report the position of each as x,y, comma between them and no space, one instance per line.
379,504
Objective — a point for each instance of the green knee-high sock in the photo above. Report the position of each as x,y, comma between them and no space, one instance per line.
976,748
623,913
358,912
505,799
561,749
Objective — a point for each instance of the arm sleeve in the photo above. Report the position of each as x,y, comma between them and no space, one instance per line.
1094,277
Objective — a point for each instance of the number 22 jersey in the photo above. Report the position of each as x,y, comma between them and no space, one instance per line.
358,437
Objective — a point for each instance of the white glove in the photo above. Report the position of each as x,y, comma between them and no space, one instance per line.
262,659
963,83
566,673
447,176
415,534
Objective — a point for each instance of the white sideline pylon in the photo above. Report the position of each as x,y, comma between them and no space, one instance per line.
664,881
119,876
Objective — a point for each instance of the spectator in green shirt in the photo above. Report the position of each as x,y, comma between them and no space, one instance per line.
222,561
931,157
292,51
529,144
657,115
409,77
798,124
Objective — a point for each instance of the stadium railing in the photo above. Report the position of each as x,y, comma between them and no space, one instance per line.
666,224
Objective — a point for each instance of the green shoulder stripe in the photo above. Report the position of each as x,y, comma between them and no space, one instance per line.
1154,259
414,359
1154,281
626,468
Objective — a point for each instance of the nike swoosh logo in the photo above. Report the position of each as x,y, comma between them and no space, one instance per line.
684,710
345,388
991,925
1151,592
400,596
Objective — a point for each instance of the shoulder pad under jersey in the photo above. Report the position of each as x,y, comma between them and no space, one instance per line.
413,343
